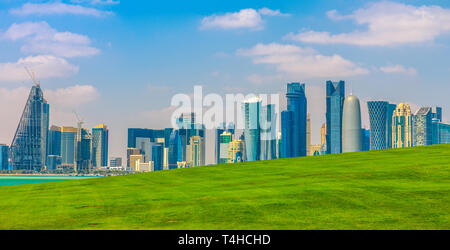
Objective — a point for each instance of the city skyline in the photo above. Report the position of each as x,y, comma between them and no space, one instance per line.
107,81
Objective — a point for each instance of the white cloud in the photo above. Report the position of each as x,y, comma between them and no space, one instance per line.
44,66
62,103
302,62
40,38
105,2
388,23
58,8
245,18
398,69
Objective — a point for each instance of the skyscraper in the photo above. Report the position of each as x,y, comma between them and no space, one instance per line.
390,113
365,139
4,155
308,135
436,113
287,127
224,143
197,151
175,150
29,146
268,132
130,152
83,151
441,132
323,137
351,125
54,141
402,126
100,146
219,130
297,103
68,141
335,96
378,112
157,156
251,110
423,127
236,151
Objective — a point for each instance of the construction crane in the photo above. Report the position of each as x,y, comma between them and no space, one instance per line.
79,119
33,77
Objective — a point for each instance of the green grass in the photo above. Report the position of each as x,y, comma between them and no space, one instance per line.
393,189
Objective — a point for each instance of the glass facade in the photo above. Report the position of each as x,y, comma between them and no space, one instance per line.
175,150
29,146
268,132
286,134
440,131
365,139
4,156
378,112
68,141
219,130
335,96
390,113
422,127
100,146
157,156
251,110
297,103
224,144
351,125
83,149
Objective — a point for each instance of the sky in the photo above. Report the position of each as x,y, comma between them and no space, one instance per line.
120,62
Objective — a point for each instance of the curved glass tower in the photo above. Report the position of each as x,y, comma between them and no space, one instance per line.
335,104
297,103
351,125
251,110
29,146
378,128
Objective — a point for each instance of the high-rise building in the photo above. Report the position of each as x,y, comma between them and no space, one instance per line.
441,132
4,157
436,113
351,125
224,144
422,129
323,136
335,96
197,151
287,127
83,151
29,146
135,160
175,150
268,132
100,146
130,152
236,151
308,135
115,162
402,126
365,139
219,130
157,156
252,128
297,103
54,141
390,113
378,112
68,142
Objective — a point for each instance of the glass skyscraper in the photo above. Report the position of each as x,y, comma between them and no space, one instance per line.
157,156
378,116
83,149
175,150
365,139
287,120
297,103
335,96
390,113
29,146
423,127
224,143
441,132
4,155
68,141
251,109
219,131
54,141
351,125
100,146
268,132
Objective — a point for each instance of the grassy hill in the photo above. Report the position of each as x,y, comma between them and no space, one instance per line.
392,189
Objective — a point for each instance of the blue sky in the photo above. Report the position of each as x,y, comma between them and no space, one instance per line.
120,62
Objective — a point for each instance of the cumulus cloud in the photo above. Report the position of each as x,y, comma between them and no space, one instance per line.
245,18
45,66
58,8
388,23
40,38
398,69
302,62
62,101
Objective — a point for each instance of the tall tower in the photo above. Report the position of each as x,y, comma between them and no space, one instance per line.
378,124
100,146
268,133
287,123
29,146
297,103
252,128
402,126
308,135
335,97
197,146
351,125
423,127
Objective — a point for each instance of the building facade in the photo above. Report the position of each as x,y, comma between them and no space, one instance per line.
268,132
297,103
4,157
197,151
351,125
236,151
100,144
423,132
335,96
29,145
224,143
157,157
68,142
378,112
251,109
402,126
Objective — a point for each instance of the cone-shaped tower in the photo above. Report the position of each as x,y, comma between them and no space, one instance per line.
351,125
28,148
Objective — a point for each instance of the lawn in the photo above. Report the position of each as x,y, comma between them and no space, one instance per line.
391,189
